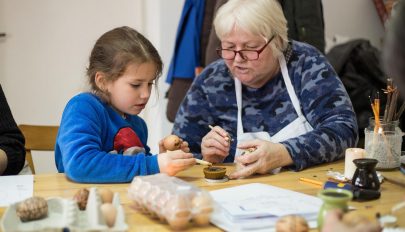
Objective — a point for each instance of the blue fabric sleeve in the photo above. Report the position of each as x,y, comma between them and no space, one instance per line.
80,150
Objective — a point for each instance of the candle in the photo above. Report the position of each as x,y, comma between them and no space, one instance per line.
350,155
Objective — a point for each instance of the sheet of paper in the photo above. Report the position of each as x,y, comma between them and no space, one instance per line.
252,200
15,188
256,206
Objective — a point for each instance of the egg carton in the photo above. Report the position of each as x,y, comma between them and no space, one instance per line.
65,214
171,200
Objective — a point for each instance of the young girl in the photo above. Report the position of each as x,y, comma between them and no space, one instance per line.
101,139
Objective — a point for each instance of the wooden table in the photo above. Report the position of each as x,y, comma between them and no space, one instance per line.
48,185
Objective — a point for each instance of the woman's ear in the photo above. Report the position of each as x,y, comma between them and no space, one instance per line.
101,81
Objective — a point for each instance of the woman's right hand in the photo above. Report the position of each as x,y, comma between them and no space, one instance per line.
215,145
173,162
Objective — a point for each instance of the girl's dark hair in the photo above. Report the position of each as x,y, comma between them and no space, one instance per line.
115,50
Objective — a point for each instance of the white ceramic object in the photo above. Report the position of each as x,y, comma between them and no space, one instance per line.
64,213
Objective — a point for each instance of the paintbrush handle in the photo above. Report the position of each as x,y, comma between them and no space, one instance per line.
203,162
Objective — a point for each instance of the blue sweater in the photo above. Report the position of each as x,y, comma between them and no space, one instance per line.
211,100
92,139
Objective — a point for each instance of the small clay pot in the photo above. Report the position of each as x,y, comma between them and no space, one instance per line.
215,173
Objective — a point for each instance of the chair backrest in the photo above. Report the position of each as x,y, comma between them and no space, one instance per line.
41,138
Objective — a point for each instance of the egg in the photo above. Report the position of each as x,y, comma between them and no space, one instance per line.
81,198
202,207
202,201
172,142
178,212
109,213
178,223
292,223
202,219
33,208
106,195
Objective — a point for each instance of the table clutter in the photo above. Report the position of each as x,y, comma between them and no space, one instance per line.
64,196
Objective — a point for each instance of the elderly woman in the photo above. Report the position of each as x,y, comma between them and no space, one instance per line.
281,98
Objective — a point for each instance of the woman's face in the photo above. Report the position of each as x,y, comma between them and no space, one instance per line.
253,73
131,91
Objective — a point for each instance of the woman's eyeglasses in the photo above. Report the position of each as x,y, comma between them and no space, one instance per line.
229,54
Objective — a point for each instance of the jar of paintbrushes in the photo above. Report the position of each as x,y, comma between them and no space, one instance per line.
383,143
383,137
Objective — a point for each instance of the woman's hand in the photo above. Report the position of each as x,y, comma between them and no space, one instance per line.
265,158
173,162
215,145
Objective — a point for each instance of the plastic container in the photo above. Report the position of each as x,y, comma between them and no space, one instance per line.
171,199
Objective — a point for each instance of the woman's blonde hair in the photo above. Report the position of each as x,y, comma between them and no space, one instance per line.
261,17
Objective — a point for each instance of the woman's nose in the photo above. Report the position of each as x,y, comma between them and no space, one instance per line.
239,57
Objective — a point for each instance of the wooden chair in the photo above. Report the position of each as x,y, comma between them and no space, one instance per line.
41,138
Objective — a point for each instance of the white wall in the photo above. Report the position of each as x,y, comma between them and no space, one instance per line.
44,84
353,19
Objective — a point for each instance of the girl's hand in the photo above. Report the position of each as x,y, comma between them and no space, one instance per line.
173,162
172,143
266,157
215,145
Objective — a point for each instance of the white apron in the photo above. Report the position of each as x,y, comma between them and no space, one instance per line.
296,128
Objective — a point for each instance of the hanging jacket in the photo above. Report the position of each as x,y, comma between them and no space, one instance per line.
305,21
357,64
186,55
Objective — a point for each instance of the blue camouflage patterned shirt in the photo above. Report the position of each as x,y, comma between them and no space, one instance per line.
211,100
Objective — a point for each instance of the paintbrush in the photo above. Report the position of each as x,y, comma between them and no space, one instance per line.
230,139
203,162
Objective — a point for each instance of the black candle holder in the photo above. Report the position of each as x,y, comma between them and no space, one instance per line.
365,176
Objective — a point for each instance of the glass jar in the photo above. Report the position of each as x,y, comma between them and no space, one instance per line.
383,143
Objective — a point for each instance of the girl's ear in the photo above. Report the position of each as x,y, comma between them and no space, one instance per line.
101,81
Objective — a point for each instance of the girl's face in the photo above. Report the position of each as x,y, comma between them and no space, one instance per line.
253,73
130,92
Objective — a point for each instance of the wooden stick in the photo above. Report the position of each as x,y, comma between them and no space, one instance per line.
392,106
395,181
389,95
400,111
311,181
203,162
398,206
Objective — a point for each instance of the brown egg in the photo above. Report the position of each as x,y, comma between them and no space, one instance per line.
178,212
172,143
203,207
202,219
178,223
33,208
292,223
109,213
202,202
106,195
81,198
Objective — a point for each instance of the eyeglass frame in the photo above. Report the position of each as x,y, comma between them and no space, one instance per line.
240,52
